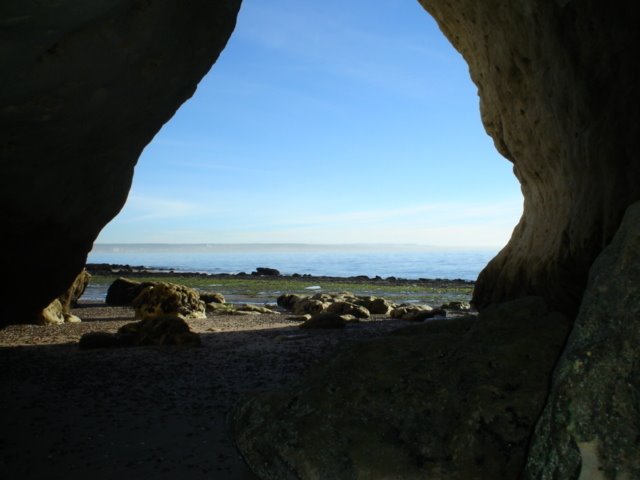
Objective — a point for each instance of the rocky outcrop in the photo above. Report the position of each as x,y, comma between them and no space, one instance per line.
591,422
161,299
559,94
446,399
85,86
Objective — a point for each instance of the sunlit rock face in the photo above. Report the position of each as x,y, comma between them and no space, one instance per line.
558,86
85,86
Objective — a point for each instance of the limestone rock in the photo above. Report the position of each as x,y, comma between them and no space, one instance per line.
448,399
220,308
309,305
255,309
52,314
212,297
416,313
71,318
69,299
375,305
82,129
457,306
123,291
167,298
288,300
592,419
548,68
56,314
347,308
59,311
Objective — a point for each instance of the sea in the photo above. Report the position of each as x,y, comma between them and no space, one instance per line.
400,261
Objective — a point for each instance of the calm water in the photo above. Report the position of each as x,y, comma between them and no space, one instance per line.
448,264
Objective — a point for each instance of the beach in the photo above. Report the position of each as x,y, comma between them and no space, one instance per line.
147,412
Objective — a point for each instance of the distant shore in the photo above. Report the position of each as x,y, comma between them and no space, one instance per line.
248,287
143,271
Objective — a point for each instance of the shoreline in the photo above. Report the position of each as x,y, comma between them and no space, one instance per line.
109,269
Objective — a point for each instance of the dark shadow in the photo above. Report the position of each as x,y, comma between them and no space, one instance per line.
146,412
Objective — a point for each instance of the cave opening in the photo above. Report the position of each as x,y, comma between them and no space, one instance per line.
326,125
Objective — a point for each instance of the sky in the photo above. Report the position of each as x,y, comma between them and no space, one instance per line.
326,122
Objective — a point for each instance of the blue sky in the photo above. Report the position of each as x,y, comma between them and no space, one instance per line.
326,122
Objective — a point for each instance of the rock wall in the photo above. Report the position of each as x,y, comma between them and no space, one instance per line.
591,423
558,87
450,399
84,87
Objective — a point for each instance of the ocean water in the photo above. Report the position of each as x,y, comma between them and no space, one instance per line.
438,263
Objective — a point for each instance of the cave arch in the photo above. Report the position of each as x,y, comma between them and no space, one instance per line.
558,83
557,94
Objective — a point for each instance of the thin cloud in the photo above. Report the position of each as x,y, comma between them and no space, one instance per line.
141,208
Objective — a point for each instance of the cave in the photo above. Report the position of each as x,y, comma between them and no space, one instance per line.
86,87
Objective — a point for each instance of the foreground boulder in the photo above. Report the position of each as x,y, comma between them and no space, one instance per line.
592,420
169,299
447,399
123,291
162,330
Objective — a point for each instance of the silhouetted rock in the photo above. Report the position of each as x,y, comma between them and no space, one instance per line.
266,272
123,291
99,340
162,330
84,136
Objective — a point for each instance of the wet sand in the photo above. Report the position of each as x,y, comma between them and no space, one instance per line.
149,412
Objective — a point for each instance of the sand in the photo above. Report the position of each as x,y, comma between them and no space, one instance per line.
147,412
